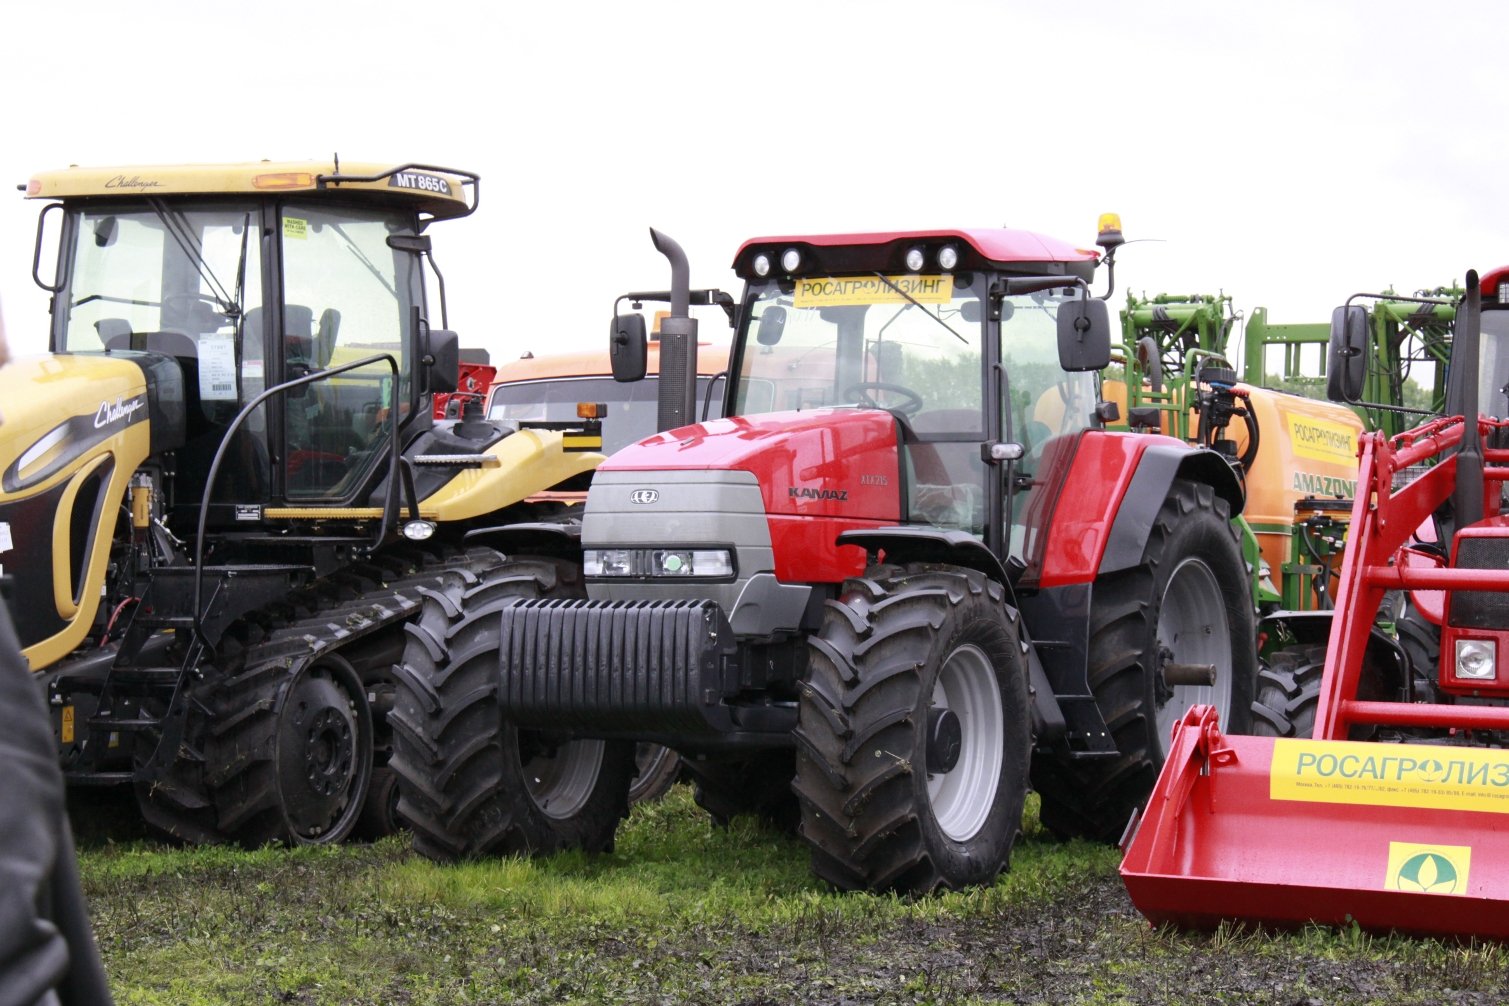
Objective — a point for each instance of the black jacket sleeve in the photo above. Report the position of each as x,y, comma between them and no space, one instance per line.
47,949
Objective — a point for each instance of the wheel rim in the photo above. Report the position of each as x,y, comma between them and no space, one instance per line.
650,760
963,797
561,780
324,752
1193,629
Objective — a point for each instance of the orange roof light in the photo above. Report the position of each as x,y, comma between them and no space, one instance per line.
283,180
590,410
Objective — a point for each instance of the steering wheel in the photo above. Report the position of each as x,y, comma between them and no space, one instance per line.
184,305
911,401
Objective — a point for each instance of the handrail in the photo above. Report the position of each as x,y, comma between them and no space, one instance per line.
389,504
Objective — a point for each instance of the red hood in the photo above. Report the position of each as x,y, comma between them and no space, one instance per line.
818,462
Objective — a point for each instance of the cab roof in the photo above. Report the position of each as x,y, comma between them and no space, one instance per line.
439,192
885,251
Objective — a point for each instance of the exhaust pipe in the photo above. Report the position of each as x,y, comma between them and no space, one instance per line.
676,398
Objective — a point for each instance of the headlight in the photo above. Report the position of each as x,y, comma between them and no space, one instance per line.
699,563
1477,659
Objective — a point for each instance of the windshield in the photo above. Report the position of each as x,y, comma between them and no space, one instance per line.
154,268
910,343
632,408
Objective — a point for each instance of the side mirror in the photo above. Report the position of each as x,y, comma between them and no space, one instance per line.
1151,363
772,326
418,244
1084,335
1346,354
442,361
104,232
628,350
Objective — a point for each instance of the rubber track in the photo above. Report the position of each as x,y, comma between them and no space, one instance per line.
223,788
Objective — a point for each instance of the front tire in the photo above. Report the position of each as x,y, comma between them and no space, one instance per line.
1288,693
914,733
469,783
1187,603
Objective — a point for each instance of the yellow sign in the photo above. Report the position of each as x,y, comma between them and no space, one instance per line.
296,228
67,730
1390,775
1427,869
837,291
1322,440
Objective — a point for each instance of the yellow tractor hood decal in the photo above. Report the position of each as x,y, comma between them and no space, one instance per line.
528,461
54,409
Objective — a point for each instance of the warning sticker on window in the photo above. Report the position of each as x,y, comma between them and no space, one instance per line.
837,291
217,367
1388,775
295,228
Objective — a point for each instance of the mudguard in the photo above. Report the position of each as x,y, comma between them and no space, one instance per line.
1157,468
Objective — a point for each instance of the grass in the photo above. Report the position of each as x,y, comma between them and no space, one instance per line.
686,912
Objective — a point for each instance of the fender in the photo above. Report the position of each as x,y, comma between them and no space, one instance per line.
563,541
1138,508
958,548
930,544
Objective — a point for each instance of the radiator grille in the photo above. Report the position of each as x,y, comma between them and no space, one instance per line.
1481,609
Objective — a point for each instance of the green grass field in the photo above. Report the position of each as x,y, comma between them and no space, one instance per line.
684,912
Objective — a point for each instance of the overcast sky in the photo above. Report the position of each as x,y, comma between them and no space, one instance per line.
1288,154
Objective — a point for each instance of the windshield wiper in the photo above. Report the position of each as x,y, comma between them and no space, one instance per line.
884,279
361,257
176,226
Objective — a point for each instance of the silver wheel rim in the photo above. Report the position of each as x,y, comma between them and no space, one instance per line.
560,784
962,798
1193,629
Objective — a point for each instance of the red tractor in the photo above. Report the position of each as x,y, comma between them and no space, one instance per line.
909,575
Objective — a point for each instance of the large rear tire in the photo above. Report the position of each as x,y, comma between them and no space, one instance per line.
469,783
914,733
1189,602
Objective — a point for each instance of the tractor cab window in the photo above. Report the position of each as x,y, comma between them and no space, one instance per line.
346,295
1046,408
906,343
1493,371
158,276
910,344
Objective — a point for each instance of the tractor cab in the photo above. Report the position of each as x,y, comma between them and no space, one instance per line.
247,276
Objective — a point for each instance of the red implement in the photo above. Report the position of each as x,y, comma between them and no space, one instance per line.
1396,815
1287,832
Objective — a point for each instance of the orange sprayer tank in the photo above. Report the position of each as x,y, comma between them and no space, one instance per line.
1307,449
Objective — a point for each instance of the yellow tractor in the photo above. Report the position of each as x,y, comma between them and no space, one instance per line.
224,492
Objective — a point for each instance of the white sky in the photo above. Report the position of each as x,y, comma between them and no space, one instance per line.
1286,153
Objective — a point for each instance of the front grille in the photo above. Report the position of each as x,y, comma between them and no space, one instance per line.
1481,609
